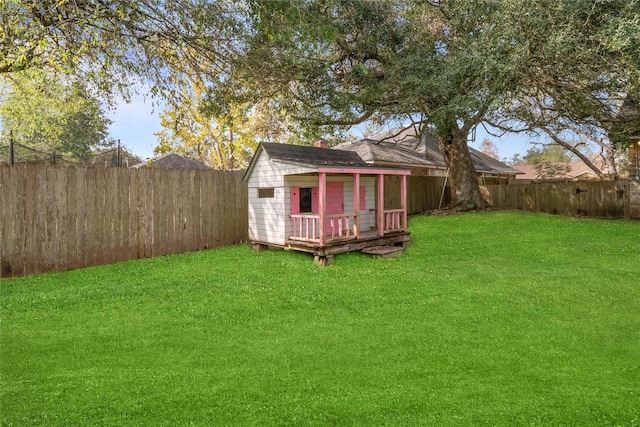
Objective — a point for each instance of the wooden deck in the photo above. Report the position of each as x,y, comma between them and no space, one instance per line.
323,254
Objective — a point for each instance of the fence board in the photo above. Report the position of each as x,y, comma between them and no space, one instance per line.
8,221
147,214
133,207
632,199
229,221
32,204
210,210
60,216
94,218
242,214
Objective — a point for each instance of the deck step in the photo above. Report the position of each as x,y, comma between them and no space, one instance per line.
384,251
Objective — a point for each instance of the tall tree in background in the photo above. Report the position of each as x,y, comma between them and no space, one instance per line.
551,161
581,136
547,154
221,139
488,148
52,115
112,46
343,63
192,132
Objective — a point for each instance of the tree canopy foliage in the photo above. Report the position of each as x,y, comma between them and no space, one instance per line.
116,43
547,154
488,148
220,139
52,115
447,65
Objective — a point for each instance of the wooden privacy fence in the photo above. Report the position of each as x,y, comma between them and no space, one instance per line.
583,198
58,218
612,199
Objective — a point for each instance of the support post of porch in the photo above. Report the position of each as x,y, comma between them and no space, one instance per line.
380,207
322,202
403,200
356,205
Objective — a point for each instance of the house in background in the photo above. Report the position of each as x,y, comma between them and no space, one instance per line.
554,170
171,161
322,201
403,148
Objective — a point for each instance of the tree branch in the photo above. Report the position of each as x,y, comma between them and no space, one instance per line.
574,150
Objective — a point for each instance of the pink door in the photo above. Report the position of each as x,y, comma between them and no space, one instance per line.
335,203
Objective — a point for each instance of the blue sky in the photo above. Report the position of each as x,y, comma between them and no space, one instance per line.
136,122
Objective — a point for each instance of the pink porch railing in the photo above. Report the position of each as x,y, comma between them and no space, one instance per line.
394,220
306,227
340,226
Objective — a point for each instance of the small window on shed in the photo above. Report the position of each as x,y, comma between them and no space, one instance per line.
306,200
265,193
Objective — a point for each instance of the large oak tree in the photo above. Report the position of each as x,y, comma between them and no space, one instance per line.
449,65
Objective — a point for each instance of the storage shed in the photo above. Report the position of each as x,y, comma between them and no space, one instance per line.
321,201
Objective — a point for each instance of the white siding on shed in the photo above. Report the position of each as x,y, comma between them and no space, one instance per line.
267,173
268,216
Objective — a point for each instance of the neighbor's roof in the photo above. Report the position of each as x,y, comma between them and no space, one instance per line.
488,164
172,161
576,169
402,146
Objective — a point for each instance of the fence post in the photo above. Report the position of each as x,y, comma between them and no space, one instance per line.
11,152
118,156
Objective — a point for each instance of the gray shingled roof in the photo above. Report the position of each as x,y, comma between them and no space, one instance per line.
410,154
402,147
312,156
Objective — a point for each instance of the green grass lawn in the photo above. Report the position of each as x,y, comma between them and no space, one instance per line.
487,319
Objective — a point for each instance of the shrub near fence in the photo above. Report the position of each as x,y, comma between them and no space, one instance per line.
58,218
583,198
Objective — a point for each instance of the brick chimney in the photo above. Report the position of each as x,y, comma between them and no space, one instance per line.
321,143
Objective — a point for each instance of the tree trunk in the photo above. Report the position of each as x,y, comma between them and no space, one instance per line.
465,189
610,159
